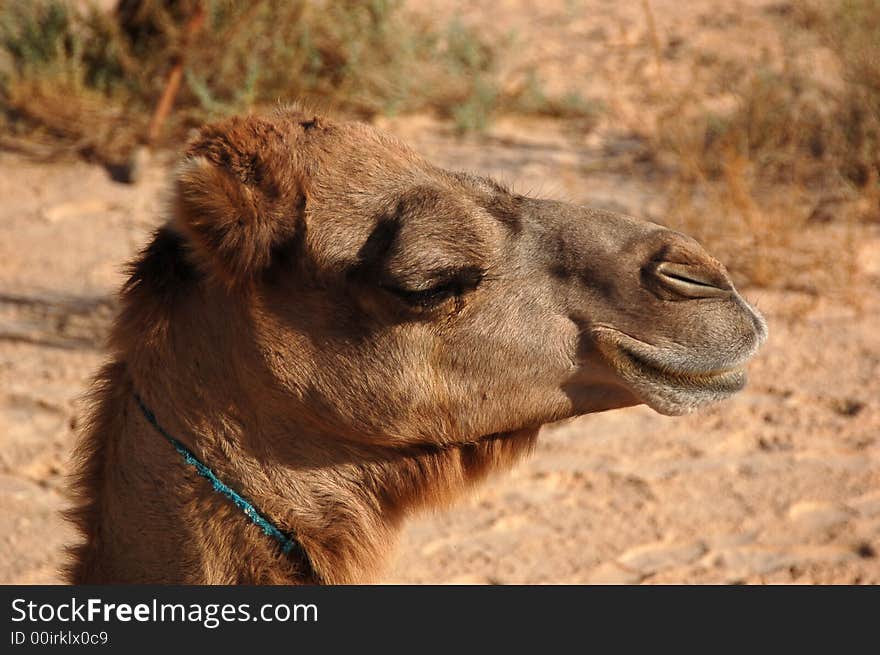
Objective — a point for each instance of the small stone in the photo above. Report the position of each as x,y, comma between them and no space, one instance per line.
651,558
819,516
732,540
751,560
470,579
868,258
510,523
433,547
831,554
865,550
848,406
75,208
613,573
130,170
867,505
15,488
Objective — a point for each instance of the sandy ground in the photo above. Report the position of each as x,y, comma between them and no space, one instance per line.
780,484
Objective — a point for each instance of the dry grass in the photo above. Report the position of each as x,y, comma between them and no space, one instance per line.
793,166
776,182
88,81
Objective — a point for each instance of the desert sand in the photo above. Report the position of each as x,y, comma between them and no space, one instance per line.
780,484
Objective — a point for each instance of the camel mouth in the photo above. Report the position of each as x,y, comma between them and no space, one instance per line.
663,379
730,379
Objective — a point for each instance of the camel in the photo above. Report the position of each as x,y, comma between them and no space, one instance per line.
336,333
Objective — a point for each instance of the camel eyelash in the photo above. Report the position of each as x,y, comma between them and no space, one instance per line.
455,284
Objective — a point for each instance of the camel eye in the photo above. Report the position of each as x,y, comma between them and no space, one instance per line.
452,284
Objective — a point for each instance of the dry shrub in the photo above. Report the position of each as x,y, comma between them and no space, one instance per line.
852,29
777,184
64,118
89,79
353,56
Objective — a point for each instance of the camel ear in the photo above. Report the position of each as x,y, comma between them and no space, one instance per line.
238,197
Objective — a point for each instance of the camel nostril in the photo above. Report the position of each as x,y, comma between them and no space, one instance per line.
693,281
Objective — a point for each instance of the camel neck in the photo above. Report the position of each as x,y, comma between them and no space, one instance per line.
148,519
289,544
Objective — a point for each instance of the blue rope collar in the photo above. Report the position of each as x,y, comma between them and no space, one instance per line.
288,544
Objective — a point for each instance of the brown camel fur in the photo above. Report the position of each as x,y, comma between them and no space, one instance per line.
344,333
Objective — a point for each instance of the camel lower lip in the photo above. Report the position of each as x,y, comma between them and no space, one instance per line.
720,380
659,383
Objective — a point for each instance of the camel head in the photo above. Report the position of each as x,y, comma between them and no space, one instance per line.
383,299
